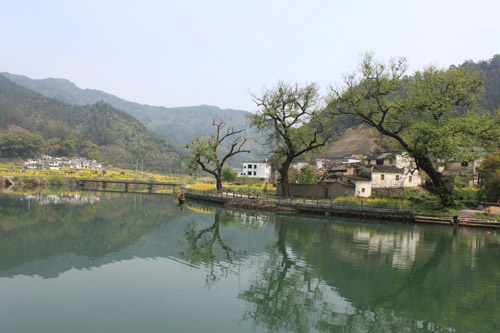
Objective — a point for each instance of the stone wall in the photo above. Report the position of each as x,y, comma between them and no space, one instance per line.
320,191
388,192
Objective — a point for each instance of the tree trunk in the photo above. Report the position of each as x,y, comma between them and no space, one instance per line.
218,182
285,188
440,186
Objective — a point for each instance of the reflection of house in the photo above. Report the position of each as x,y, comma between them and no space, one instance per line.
401,246
256,169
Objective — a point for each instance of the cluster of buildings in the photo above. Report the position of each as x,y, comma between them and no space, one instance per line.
365,175
55,163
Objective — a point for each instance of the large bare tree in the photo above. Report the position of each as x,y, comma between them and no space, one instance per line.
210,153
290,116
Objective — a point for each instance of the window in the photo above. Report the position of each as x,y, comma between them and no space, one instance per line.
249,166
382,177
464,164
255,166
255,173
362,190
397,177
410,178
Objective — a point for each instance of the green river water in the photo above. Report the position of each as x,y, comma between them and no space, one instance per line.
103,262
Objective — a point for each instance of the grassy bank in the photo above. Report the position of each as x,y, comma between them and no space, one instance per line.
26,177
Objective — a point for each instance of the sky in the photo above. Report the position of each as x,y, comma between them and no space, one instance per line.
219,52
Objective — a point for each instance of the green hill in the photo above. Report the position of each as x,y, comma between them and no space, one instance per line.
120,137
178,124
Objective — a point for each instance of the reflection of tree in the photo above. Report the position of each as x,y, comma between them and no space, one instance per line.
207,246
285,296
303,293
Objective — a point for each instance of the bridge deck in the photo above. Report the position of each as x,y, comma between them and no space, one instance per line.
134,182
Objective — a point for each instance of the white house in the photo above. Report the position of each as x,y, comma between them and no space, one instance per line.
256,169
362,185
54,164
299,165
386,176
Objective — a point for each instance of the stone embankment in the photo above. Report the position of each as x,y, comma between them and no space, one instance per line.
308,208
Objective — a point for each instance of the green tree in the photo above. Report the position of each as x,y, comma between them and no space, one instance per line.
489,173
307,175
68,147
22,144
90,150
210,153
229,175
424,113
291,118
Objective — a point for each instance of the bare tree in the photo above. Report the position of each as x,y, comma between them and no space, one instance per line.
210,153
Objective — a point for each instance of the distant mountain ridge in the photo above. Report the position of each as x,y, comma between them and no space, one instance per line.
179,124
121,138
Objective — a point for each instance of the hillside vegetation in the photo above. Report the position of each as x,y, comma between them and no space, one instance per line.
178,124
120,138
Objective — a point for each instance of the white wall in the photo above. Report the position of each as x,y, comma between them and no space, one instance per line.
360,185
257,170
390,180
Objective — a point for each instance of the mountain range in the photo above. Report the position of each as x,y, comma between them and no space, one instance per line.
178,124
121,138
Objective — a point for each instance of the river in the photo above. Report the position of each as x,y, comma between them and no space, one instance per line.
106,262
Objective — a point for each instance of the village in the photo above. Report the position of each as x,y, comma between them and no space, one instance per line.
56,163
383,174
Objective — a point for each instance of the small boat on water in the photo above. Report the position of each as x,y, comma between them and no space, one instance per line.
181,197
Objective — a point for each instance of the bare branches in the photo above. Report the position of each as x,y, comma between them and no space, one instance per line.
211,153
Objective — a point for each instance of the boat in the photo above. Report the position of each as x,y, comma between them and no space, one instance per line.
181,197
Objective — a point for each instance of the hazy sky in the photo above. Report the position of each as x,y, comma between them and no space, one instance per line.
179,53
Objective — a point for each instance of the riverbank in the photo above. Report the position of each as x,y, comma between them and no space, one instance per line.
267,204
332,209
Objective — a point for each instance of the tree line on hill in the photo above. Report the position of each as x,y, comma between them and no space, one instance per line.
96,131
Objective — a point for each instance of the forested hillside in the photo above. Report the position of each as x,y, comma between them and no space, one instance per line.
357,138
178,124
490,69
120,138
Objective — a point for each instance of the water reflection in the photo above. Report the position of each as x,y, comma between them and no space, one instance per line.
73,198
289,273
206,246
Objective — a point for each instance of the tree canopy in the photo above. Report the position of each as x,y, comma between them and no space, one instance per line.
290,116
22,144
430,114
489,173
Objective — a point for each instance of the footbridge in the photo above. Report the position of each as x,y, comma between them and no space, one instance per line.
126,183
